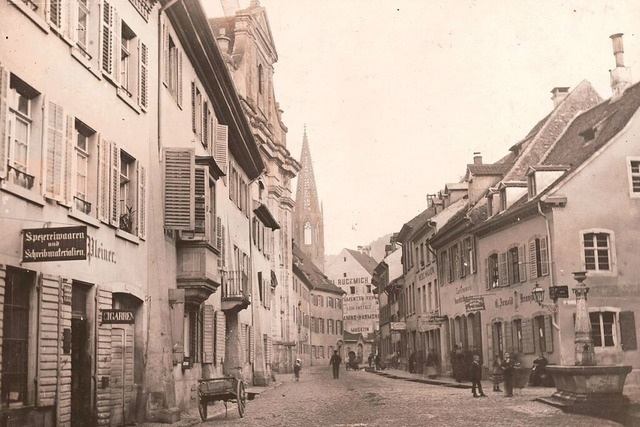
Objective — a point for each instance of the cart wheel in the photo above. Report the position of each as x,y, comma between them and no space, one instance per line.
241,398
202,406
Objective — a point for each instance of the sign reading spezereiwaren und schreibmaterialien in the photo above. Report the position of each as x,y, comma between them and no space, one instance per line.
54,244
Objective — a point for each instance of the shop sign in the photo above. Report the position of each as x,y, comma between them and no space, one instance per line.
398,326
474,303
54,244
117,317
556,292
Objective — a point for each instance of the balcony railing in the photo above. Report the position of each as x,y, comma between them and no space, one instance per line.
235,285
23,179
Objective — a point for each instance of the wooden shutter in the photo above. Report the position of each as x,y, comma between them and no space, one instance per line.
220,337
205,124
508,336
179,77
193,106
243,344
522,264
219,235
490,342
628,337
472,255
533,259
114,186
103,179
221,143
165,52
4,113
108,38
548,334
252,345
49,337
143,75
503,270
55,144
141,200
487,276
179,188
223,248
176,302
70,161
54,14
208,334
528,337
544,257
200,199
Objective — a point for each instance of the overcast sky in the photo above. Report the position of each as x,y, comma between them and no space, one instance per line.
397,95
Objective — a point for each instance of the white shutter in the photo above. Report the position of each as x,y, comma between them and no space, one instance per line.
141,201
533,259
179,77
117,48
104,169
114,186
108,38
55,157
200,199
252,345
502,270
219,236
165,52
54,13
221,148
179,188
4,116
143,75
70,161
194,129
208,347
220,337
544,257
522,264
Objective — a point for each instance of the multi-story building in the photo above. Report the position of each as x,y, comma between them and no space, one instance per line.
387,281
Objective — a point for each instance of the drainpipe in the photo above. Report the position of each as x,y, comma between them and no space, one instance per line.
550,257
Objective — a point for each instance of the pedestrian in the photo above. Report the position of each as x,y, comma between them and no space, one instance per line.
412,362
376,360
335,363
475,371
432,364
297,366
497,373
508,367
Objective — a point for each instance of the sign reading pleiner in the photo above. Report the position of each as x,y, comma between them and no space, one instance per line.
398,326
475,303
114,317
54,244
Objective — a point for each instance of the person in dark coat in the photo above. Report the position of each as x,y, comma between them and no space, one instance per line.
508,367
296,370
335,363
475,371
412,362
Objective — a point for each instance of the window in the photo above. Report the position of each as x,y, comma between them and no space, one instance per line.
597,251
531,185
498,341
173,66
192,335
634,177
603,328
514,265
368,289
517,335
538,257
492,272
503,200
352,290
127,60
85,167
469,257
542,333
82,24
307,233
16,338
126,192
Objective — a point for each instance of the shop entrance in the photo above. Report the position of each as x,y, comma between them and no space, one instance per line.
80,357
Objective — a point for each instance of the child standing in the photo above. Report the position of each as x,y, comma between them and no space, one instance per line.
296,370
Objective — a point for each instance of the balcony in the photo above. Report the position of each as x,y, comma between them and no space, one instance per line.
197,269
235,291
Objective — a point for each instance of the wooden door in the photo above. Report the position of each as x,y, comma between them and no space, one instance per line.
122,380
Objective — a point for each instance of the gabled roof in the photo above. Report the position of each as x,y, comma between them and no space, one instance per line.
414,224
365,261
310,274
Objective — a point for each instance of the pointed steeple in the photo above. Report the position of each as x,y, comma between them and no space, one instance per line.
308,222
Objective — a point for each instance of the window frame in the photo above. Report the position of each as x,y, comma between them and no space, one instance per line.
611,253
633,175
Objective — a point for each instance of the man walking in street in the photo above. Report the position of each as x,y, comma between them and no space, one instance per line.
476,377
335,363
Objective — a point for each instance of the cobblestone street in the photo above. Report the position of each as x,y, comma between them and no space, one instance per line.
364,399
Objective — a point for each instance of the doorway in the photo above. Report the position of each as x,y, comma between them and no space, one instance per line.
80,357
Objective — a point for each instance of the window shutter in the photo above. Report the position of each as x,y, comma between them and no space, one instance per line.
143,75
114,186
4,108
252,345
487,276
628,337
193,106
528,346
243,344
54,180
205,124
219,237
179,188
472,255
503,271
221,147
176,301
165,52
544,257
208,334
117,46
103,179
200,199
490,342
508,336
108,38
179,77
70,161
548,334
533,259
220,337
522,264
141,201
55,13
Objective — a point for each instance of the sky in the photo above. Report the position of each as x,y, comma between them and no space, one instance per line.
397,95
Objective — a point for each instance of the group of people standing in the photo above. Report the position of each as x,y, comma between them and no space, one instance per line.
502,371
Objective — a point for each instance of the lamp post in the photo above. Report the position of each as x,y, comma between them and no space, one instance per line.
584,351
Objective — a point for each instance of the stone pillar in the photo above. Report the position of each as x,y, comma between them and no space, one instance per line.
584,352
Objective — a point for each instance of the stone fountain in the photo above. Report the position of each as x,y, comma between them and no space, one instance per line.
586,387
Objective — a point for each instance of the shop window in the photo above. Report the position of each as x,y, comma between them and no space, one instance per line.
603,328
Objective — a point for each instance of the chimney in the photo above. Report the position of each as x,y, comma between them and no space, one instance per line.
621,75
558,94
223,40
477,158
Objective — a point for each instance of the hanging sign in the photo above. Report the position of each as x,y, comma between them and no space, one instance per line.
556,292
398,326
54,244
474,303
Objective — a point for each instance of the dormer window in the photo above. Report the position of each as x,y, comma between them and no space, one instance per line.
503,200
531,186
588,135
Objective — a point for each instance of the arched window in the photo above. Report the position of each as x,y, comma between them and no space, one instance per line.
307,233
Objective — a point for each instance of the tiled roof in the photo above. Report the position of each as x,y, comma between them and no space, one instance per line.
311,274
365,260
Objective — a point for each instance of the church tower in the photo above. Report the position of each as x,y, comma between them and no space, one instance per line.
308,223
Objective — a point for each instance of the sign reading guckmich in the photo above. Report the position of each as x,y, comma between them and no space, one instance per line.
114,317
54,244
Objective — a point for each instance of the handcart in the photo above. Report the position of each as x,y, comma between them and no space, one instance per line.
227,389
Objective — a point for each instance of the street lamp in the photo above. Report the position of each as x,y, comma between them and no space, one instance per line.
538,296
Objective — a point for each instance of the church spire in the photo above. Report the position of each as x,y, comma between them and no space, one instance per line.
308,222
